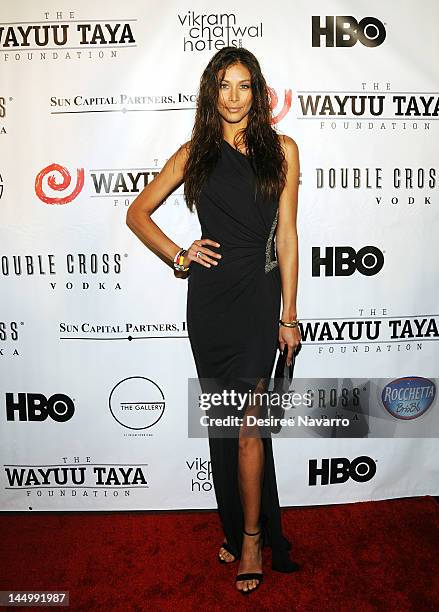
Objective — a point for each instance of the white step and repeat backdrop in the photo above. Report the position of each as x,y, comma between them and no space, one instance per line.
95,357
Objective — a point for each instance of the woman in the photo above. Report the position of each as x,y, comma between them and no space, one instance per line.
243,180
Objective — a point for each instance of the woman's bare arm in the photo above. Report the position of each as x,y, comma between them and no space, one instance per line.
139,220
286,234
138,216
287,247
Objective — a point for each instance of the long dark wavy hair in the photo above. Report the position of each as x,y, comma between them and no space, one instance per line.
259,138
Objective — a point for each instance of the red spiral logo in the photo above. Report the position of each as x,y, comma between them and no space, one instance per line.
66,179
273,103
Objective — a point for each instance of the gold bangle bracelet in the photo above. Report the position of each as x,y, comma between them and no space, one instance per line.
293,323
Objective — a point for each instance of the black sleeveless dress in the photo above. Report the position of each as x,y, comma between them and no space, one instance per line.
232,320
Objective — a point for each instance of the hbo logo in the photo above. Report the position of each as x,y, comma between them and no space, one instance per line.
344,261
347,31
340,469
37,407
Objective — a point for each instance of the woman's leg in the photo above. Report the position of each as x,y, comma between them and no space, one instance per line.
250,475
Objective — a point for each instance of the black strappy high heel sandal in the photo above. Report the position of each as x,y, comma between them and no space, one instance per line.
227,547
251,575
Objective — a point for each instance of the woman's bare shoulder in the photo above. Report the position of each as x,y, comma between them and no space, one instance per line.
289,145
184,149
177,161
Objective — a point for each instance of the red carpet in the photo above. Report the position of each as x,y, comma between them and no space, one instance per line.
355,557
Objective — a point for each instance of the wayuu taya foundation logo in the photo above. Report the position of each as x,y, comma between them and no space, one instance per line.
52,35
58,179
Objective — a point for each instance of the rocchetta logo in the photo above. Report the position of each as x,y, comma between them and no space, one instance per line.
137,403
346,31
408,397
38,407
339,470
344,261
63,185
210,31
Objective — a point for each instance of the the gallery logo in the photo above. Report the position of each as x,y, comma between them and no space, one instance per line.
339,470
345,260
137,403
346,31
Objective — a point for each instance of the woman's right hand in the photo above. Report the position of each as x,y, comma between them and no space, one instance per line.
208,256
